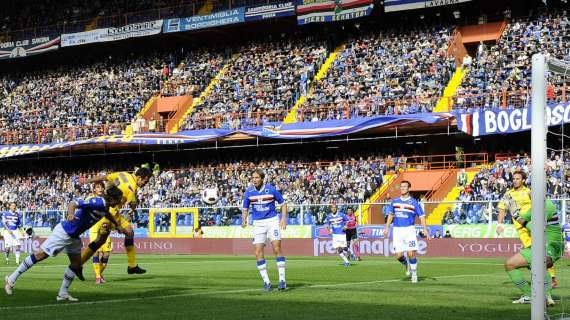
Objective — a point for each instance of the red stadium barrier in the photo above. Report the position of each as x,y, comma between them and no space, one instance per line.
466,248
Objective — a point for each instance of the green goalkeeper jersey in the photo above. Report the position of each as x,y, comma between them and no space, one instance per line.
552,215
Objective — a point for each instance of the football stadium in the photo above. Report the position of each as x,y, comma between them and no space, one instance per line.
274,159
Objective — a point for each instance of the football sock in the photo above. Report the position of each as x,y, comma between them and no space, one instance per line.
131,252
413,265
103,265
17,253
23,267
343,257
281,268
262,267
68,277
97,267
517,278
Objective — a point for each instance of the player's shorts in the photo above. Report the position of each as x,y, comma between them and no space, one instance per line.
404,239
524,234
351,235
60,241
13,240
107,246
266,228
554,250
108,226
339,240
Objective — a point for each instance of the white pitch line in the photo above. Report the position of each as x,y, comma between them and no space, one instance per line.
83,303
249,261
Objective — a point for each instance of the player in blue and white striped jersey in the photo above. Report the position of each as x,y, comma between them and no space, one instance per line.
12,234
266,224
336,224
403,212
81,215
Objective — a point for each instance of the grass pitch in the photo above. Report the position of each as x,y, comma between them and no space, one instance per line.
227,287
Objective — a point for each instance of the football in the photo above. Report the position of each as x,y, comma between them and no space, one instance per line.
210,196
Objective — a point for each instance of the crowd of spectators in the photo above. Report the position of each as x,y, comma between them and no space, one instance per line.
81,102
262,82
350,180
478,199
80,15
506,66
383,73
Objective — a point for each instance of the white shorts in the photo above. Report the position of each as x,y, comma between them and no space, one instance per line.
60,241
339,240
404,239
13,240
266,228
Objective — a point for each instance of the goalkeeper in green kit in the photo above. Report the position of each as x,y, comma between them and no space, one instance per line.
554,251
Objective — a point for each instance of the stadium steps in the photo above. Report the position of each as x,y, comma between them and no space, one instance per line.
446,101
437,214
365,211
292,115
129,129
198,101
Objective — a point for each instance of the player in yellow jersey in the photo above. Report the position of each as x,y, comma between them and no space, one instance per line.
101,257
128,183
514,201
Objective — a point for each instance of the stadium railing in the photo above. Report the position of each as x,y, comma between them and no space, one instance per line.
464,213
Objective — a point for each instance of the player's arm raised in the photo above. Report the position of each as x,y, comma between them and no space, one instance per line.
99,178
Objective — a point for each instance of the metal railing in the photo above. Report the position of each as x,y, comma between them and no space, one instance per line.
463,212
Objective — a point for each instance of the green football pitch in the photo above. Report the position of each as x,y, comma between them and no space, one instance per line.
227,287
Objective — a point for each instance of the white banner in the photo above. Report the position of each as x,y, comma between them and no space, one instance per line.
112,34
397,5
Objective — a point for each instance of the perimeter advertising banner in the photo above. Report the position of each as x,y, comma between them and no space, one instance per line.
496,121
398,5
309,11
133,30
298,232
479,231
269,11
28,47
371,231
309,247
430,248
215,19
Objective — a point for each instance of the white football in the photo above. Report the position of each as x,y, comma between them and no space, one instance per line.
210,196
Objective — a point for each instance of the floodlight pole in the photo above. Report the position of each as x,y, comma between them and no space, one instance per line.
538,181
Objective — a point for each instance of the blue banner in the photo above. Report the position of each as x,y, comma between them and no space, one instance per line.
397,5
269,11
371,231
309,11
300,130
206,21
496,121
